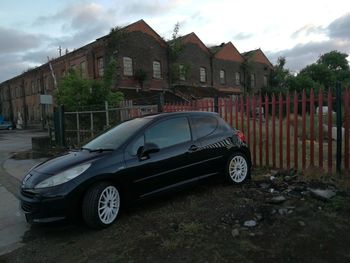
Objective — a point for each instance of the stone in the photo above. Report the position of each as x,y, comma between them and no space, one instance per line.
264,185
258,217
289,178
324,195
277,199
283,211
235,233
301,223
250,223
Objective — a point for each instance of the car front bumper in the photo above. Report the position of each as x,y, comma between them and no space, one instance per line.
42,209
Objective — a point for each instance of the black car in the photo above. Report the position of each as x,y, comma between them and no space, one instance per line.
137,159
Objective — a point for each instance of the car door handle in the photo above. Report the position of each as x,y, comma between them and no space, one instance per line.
193,148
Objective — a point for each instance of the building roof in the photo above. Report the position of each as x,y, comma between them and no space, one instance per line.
258,56
193,39
143,27
227,51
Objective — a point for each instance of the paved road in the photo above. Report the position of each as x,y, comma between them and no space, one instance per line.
12,222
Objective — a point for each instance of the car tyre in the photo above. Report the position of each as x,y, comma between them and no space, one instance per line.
237,168
101,205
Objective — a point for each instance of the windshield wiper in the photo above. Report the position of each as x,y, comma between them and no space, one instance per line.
100,150
83,148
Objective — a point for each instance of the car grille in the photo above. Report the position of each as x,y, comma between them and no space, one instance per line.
28,194
27,208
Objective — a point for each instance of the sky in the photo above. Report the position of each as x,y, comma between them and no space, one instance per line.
299,30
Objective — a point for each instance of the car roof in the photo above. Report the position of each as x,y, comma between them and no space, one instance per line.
180,113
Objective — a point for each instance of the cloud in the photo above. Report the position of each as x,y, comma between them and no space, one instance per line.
302,55
340,28
11,66
40,56
14,40
242,36
81,24
308,30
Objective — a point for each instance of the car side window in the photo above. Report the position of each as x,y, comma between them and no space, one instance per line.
204,125
169,132
136,144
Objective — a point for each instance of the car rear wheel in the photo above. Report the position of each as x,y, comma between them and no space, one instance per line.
238,169
101,205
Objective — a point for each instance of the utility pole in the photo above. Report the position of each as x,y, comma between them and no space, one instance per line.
60,50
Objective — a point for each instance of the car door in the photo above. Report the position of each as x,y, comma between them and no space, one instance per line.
213,138
157,173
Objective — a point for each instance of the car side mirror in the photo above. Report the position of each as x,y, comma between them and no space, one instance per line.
144,151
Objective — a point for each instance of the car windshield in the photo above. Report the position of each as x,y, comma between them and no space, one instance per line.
116,136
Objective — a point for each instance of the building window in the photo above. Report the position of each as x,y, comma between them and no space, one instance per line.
252,80
202,74
83,69
237,78
127,65
265,81
38,86
100,66
33,87
182,75
222,77
73,66
157,74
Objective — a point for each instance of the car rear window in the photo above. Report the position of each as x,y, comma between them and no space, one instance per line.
204,125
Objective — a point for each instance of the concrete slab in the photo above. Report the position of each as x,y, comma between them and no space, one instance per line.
12,222
19,168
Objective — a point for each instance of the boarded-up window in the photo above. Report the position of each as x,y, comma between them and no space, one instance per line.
100,66
202,74
83,69
237,78
252,80
265,81
157,73
222,77
127,65
182,75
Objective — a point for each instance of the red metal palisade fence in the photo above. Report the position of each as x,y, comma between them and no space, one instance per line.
294,130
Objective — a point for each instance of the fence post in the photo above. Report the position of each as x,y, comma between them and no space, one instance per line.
338,102
107,113
59,126
78,128
346,132
216,104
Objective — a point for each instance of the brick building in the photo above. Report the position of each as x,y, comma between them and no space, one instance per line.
145,67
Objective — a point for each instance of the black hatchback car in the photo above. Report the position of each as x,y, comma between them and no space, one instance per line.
137,159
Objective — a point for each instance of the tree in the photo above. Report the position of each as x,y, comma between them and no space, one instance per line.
334,61
74,91
280,77
329,68
175,49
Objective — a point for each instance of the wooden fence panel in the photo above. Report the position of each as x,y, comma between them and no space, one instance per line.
280,120
273,108
312,122
296,148
346,100
330,125
303,136
320,129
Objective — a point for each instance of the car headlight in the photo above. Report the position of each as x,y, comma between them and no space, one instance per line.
63,177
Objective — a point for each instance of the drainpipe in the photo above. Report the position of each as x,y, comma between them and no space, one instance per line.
25,106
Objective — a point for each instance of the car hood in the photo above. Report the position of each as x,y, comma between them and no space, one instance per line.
59,164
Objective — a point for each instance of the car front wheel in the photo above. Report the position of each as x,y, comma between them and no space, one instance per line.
238,169
101,205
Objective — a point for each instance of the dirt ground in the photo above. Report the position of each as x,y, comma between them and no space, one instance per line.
273,218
